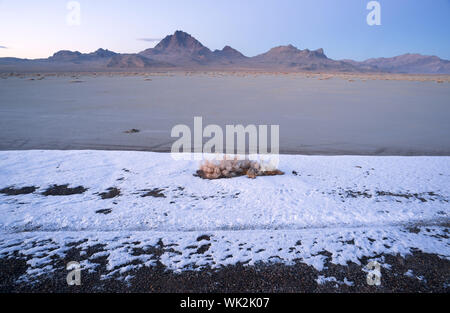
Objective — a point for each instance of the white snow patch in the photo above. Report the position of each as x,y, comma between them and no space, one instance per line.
349,206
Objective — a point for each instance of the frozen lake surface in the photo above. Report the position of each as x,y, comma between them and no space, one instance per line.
333,116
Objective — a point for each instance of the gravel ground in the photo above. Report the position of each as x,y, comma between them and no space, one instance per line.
418,272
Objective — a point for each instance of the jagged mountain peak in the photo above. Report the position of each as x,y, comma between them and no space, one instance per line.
229,52
65,55
292,50
178,41
103,53
283,49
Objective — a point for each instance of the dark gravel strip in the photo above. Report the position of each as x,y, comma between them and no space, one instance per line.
298,278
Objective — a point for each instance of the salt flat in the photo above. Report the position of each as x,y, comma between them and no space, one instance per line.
331,115
85,199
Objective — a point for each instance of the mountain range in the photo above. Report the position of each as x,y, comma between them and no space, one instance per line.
183,51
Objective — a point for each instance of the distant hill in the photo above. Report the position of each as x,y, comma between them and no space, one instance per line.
229,56
290,57
410,63
134,61
78,57
183,51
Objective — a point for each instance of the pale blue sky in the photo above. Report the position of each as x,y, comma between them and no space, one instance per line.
33,29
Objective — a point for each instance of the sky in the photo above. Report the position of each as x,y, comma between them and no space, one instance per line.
37,29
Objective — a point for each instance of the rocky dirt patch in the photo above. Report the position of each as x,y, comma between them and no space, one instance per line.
11,191
63,190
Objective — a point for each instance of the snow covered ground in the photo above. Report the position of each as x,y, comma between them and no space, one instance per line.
131,202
